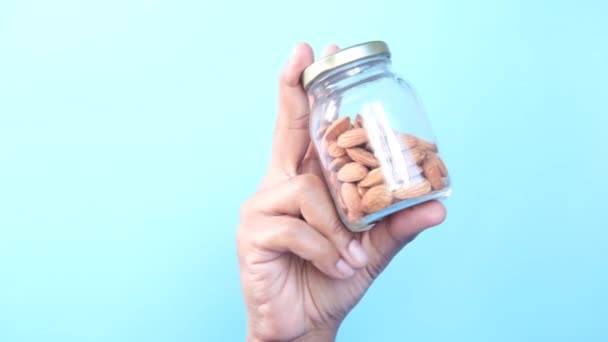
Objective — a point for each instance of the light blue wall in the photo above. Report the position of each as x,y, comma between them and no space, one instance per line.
131,130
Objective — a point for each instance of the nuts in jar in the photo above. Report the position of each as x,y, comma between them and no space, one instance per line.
372,136
359,179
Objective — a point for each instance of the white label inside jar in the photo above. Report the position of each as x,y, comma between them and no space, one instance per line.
386,146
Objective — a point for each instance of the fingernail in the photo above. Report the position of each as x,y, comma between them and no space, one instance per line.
344,268
357,252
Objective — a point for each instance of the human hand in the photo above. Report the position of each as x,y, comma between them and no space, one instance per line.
301,270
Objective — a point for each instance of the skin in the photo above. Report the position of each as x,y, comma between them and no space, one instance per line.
301,270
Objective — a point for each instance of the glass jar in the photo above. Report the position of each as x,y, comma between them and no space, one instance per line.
374,142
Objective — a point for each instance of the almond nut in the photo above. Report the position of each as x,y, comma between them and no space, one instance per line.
340,201
362,156
337,127
442,168
409,141
352,138
433,174
440,164
376,198
414,155
358,121
413,191
337,163
334,150
352,172
412,141
426,145
374,177
351,198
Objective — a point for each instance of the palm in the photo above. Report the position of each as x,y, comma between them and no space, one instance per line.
289,284
295,292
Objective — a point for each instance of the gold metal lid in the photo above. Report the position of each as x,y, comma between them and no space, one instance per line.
343,57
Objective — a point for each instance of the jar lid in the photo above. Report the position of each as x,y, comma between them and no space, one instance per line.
343,57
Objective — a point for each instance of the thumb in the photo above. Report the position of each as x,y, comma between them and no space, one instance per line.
391,235
291,135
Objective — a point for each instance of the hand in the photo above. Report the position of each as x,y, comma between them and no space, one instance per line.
301,270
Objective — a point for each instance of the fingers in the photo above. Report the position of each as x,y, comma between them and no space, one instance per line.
406,225
306,196
291,137
289,234
388,238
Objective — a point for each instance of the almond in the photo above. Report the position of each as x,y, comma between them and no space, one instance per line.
409,140
352,172
340,201
362,156
425,145
350,195
352,138
412,141
337,163
414,155
442,168
433,174
440,164
336,128
374,177
358,121
376,198
334,150
413,191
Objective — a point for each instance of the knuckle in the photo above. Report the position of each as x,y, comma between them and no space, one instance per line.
259,238
287,232
242,241
281,234
339,233
246,208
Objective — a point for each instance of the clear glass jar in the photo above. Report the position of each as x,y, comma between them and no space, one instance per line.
374,141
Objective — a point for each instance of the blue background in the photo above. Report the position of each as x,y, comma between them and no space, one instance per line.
131,130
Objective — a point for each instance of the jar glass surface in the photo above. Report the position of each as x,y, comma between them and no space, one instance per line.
374,142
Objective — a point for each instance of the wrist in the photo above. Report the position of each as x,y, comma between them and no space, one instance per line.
313,336
318,336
